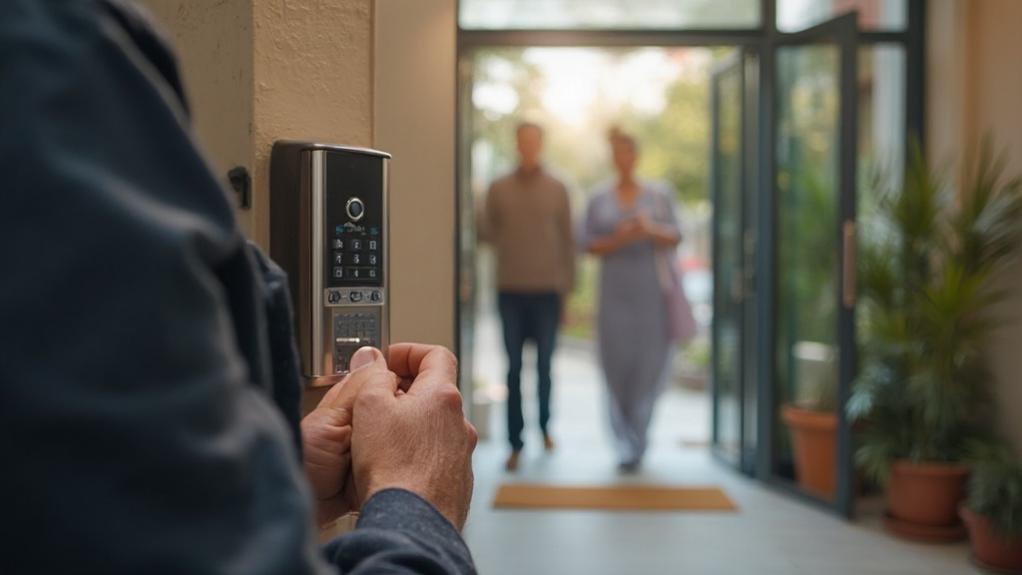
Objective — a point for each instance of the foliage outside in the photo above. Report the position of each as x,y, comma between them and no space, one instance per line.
927,267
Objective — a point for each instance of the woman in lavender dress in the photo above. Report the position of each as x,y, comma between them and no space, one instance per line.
630,225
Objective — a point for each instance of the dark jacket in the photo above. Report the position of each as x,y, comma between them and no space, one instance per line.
148,389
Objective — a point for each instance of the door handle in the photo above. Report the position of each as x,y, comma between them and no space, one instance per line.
849,279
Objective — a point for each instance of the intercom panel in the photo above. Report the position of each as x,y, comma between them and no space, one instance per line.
329,231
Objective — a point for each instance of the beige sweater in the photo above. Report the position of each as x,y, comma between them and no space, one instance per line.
527,218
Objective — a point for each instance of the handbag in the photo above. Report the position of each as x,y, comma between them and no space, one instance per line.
681,324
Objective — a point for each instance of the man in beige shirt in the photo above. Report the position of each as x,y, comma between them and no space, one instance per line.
527,218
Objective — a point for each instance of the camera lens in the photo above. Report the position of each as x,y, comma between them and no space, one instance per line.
356,209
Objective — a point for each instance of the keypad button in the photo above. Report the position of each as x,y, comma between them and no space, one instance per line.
339,272
338,230
356,245
355,296
353,273
338,258
375,296
372,273
374,245
337,244
374,260
355,259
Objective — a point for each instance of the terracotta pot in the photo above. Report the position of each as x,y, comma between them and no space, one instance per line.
926,493
814,436
988,548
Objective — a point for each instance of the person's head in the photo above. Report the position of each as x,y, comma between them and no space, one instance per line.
625,151
529,136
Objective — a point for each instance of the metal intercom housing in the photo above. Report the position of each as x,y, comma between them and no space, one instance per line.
329,231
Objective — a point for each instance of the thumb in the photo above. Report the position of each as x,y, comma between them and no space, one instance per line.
366,356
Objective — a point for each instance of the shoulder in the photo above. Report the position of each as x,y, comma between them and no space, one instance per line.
599,198
500,185
659,191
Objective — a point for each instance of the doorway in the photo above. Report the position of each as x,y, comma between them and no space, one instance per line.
660,95
803,110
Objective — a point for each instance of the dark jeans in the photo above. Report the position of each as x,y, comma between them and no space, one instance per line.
528,316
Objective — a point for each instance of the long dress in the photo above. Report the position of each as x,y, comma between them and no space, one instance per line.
634,345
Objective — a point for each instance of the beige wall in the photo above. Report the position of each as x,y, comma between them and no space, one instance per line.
214,48
353,72
975,89
313,66
415,111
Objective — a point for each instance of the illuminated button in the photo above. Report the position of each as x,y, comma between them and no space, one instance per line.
339,272
355,296
356,209
373,260
334,296
374,231
356,259
337,244
371,273
338,258
338,230
375,296
356,245
373,245
353,273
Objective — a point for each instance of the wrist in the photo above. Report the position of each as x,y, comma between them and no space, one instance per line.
425,492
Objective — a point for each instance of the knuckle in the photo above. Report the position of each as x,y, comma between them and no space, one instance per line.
473,436
449,396
367,399
448,357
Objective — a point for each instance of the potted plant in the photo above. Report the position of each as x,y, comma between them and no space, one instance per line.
927,264
993,510
812,419
809,368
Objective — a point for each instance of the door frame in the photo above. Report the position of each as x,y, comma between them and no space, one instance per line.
841,32
739,60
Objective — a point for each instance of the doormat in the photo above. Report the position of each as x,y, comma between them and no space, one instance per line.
612,498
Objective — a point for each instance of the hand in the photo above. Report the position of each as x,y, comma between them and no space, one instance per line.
417,440
628,231
326,437
645,226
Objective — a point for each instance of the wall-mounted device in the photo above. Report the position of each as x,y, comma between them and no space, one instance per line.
329,231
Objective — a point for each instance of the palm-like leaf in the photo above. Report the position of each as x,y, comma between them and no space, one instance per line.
928,290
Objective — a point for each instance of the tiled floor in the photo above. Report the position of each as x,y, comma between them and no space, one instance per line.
771,533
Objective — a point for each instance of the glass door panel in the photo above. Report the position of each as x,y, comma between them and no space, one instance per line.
815,152
728,276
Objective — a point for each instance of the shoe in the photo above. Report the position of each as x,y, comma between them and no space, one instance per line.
629,467
548,443
512,461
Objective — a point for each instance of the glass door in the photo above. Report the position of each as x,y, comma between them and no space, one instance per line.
814,159
732,182
466,240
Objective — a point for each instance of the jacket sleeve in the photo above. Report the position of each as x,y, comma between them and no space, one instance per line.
399,532
136,420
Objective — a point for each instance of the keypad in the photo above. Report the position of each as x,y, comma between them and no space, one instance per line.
355,256
352,331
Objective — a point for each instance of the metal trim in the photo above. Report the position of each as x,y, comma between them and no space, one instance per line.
318,223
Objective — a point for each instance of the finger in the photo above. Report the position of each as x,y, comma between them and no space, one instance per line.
410,359
365,356
430,366
384,383
365,363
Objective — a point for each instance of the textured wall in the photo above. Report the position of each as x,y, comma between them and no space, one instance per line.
974,87
995,108
313,80
214,47
415,111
